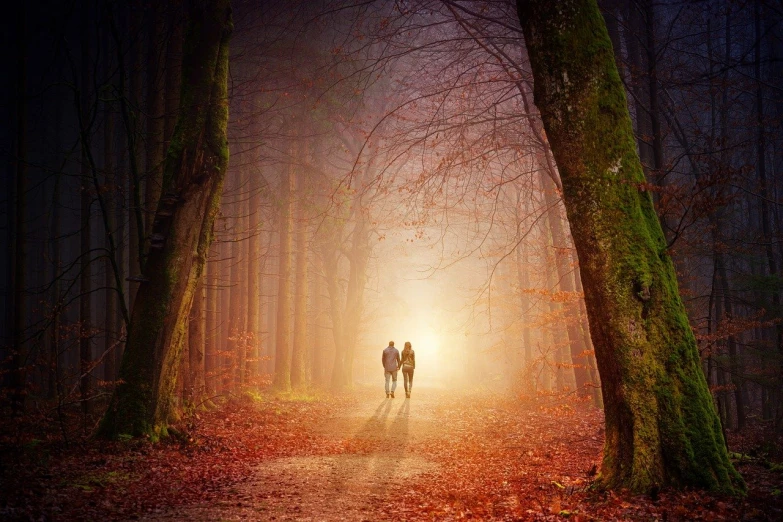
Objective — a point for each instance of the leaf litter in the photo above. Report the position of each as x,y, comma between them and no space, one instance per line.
437,456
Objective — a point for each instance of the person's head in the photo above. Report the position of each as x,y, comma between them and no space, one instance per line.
408,345
391,343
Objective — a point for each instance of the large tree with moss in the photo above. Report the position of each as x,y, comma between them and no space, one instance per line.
194,170
661,425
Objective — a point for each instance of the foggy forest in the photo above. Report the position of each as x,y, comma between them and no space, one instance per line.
235,230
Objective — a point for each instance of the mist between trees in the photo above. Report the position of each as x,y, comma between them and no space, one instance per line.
389,178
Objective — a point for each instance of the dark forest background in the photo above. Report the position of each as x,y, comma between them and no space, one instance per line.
355,126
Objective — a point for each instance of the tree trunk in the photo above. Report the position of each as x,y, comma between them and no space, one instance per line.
641,20
661,424
196,334
282,379
611,12
235,341
716,223
120,218
133,127
211,324
330,264
155,120
766,223
354,295
253,278
523,280
85,232
192,183
273,262
19,247
110,291
244,347
584,326
315,337
299,352
224,350
722,396
566,284
56,288
636,43
558,335
172,69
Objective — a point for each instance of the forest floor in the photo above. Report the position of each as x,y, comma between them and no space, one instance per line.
357,457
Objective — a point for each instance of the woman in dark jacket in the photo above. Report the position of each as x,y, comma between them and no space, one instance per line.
408,364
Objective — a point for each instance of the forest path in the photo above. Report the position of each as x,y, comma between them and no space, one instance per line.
445,456
384,449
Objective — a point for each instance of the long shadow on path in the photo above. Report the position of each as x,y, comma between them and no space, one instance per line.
362,481
359,484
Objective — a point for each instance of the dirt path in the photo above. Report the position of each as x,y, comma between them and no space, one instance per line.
361,457
384,441
438,456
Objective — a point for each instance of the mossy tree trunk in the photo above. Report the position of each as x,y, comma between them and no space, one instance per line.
192,182
661,424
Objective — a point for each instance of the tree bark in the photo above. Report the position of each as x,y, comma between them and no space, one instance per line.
595,381
354,295
133,127
523,280
210,336
155,119
172,69
192,182
273,262
53,387
196,335
224,352
253,278
235,342
566,284
19,246
282,379
766,222
111,336
558,335
661,424
85,232
299,352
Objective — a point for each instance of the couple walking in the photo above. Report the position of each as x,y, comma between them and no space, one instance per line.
392,362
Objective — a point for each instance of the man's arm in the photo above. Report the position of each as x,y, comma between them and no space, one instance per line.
398,360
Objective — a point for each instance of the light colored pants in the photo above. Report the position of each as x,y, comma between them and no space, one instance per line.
393,376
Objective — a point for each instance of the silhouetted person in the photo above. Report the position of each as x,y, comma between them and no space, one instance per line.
408,365
391,363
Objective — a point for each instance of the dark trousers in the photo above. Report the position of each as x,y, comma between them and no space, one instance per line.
407,375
